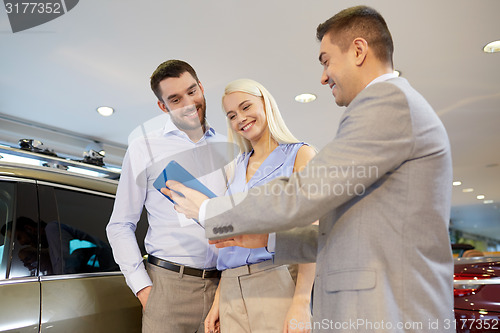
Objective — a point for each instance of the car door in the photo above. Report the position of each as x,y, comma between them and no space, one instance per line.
19,283
84,291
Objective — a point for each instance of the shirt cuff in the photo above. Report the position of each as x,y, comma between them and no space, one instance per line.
271,243
203,212
138,280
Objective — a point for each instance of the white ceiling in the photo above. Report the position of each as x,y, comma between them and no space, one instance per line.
103,52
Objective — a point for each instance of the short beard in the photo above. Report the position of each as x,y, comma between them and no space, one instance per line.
182,125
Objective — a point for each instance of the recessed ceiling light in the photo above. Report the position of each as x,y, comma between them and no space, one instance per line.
457,183
305,98
480,197
467,190
492,47
488,202
105,111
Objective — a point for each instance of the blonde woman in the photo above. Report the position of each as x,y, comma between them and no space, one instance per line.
255,295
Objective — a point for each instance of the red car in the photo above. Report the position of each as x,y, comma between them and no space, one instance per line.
477,294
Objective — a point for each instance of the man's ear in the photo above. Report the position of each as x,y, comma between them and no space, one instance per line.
162,106
201,87
360,50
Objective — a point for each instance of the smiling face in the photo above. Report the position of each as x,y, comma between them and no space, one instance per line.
184,102
246,115
339,71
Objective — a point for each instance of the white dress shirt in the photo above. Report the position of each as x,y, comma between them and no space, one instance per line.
170,235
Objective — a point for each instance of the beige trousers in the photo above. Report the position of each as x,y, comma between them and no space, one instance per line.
177,303
255,298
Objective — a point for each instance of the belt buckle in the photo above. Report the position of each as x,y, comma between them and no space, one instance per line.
203,274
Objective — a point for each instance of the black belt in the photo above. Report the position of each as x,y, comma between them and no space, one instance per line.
203,273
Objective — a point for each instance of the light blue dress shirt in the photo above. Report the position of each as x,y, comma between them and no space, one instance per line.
279,163
170,235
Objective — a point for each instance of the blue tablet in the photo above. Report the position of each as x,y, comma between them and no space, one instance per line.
175,171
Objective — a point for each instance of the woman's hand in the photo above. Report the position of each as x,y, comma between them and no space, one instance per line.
298,318
212,323
187,201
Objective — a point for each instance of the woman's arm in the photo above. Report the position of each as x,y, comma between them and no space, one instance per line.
304,155
212,323
298,318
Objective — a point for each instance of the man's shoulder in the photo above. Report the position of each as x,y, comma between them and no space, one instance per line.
396,83
392,90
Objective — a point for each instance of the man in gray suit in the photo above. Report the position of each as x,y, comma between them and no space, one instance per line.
381,190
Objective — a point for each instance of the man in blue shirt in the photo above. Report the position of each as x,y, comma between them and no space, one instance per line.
177,285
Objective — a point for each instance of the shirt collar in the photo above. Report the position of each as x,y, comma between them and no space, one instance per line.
383,77
170,128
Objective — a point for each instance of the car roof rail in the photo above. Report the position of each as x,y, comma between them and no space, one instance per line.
48,158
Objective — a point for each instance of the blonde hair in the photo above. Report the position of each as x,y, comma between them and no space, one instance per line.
279,132
277,128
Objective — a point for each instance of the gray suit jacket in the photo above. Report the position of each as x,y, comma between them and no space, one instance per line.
381,190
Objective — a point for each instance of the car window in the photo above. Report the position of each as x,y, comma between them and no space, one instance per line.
57,230
18,229
7,196
77,238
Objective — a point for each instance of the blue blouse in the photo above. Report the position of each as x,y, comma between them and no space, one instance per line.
279,163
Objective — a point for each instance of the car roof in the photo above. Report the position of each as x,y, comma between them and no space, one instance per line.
58,176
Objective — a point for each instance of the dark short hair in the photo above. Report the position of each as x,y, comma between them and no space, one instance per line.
21,224
169,68
359,21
